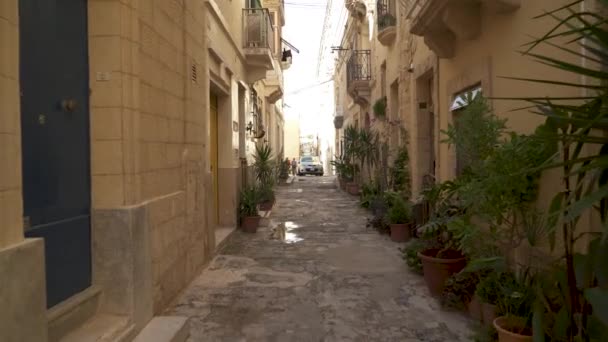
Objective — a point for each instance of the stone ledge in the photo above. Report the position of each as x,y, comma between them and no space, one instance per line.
165,329
23,292
73,313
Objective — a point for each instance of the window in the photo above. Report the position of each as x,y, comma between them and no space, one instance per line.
460,100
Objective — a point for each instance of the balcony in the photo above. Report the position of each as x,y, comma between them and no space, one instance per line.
258,42
444,22
273,84
387,21
359,76
356,8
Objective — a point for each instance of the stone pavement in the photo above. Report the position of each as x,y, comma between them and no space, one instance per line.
315,274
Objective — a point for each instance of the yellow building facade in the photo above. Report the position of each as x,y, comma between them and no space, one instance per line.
123,135
441,50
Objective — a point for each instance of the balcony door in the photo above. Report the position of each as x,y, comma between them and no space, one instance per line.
253,4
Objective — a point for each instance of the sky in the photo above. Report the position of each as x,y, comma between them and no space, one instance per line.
308,94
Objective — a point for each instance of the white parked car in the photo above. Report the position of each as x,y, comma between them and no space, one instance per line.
310,166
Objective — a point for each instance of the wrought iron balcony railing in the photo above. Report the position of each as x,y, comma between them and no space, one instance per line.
257,29
359,67
386,14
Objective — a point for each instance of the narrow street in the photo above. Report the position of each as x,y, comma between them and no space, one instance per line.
315,273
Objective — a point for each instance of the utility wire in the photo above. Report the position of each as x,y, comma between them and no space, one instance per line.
326,24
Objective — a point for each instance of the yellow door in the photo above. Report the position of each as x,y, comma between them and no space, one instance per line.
214,155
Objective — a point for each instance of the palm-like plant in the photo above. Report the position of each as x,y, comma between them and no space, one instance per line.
264,166
577,126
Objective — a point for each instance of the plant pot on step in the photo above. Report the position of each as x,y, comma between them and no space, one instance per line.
438,269
400,232
266,205
250,224
509,330
353,189
488,314
475,310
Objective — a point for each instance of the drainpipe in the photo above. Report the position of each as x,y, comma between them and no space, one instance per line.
437,128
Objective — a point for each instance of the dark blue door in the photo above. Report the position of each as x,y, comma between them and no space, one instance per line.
55,139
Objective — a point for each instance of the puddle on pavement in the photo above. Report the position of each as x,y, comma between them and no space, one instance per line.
286,232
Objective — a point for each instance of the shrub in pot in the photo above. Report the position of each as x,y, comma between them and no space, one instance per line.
399,218
442,259
410,254
459,293
487,292
515,303
266,197
248,209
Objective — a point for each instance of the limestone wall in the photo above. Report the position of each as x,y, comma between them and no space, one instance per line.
11,202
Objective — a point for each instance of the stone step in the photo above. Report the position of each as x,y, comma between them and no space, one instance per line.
165,329
73,313
103,328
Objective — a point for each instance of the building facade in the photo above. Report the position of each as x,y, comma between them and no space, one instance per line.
124,127
432,53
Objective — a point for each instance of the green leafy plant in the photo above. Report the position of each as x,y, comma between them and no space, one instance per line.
577,128
515,302
400,212
283,170
369,192
459,289
264,165
410,254
400,172
249,199
475,133
380,108
265,193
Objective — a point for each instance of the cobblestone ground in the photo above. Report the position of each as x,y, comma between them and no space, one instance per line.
316,273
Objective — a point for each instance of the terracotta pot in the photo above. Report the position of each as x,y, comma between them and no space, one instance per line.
474,307
266,205
353,189
488,314
400,232
501,324
341,183
250,224
438,270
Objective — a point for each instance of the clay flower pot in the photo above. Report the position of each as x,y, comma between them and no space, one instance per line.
400,232
475,310
438,270
353,188
505,328
488,314
250,224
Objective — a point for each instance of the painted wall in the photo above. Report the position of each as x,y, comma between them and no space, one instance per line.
291,137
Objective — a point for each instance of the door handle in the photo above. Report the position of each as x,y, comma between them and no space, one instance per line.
69,105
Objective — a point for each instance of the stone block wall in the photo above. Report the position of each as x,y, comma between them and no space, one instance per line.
149,114
173,124
11,202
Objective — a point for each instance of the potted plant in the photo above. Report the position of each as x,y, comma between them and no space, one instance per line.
399,218
515,304
266,197
442,259
487,293
459,293
248,209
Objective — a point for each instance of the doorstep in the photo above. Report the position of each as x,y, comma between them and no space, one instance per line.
222,235
103,328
